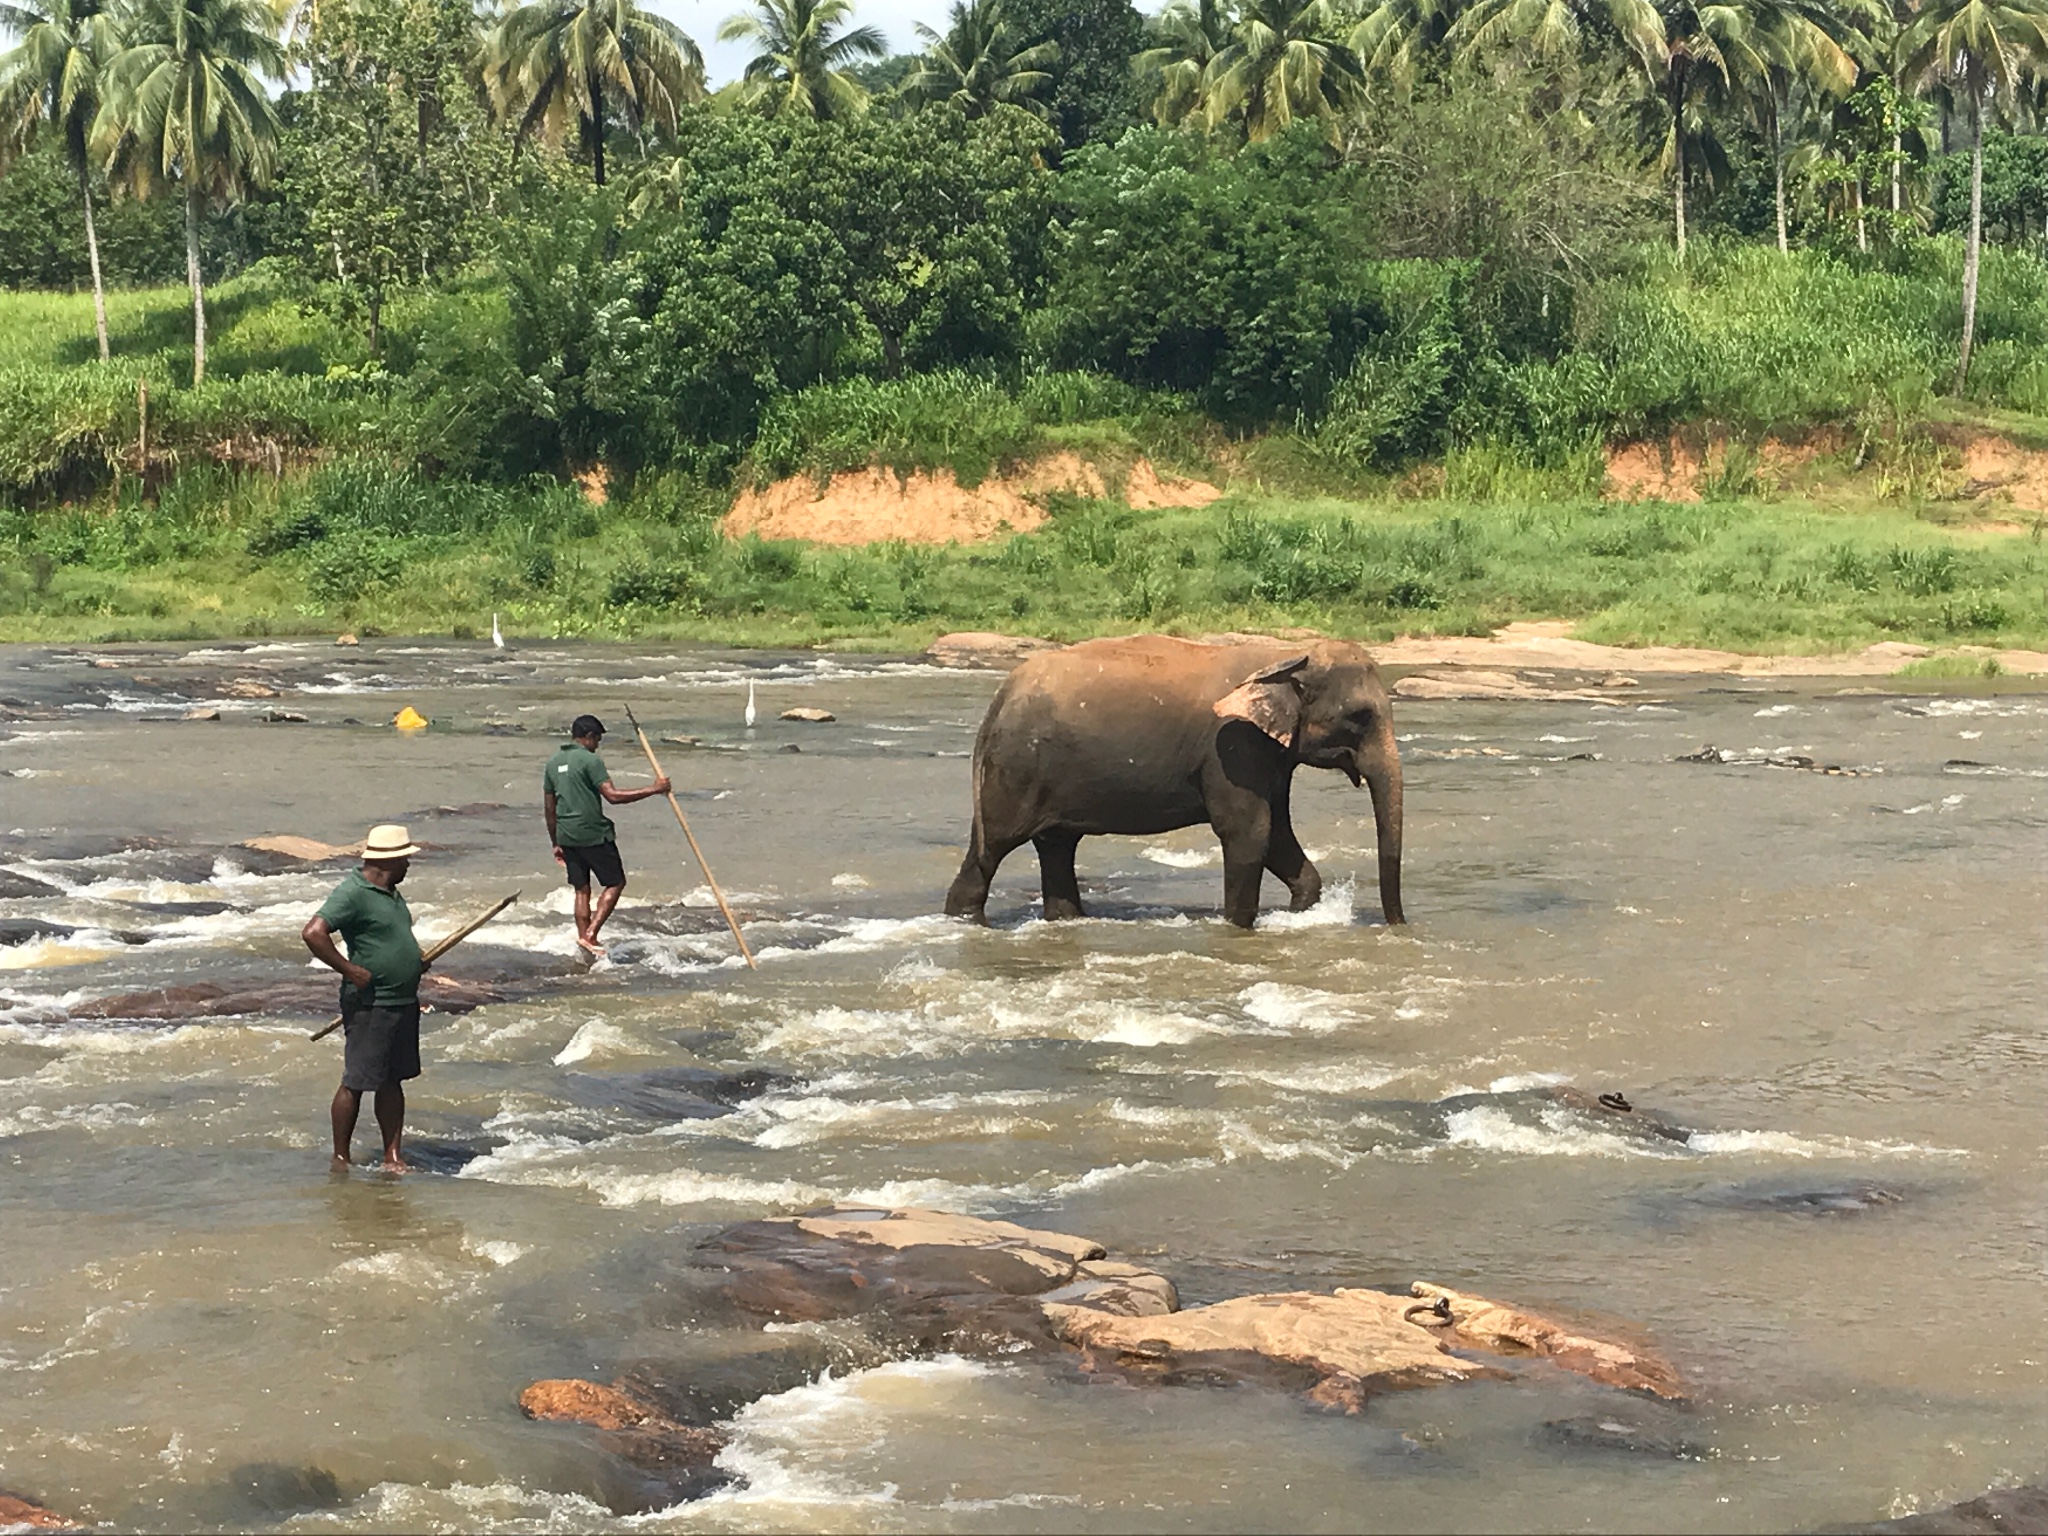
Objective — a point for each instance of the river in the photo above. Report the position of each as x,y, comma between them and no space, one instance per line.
1835,979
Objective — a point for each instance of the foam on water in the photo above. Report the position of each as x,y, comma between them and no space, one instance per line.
1184,858
1784,1144
1285,1007
1333,910
1487,1129
598,1037
790,1451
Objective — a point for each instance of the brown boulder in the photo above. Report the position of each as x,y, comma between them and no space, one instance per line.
584,1402
677,1457
19,1513
1501,1329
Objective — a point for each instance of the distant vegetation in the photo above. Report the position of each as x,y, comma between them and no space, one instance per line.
1427,260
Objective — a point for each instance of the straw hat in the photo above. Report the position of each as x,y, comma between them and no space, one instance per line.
389,841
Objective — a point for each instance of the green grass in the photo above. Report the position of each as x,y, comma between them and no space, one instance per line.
358,545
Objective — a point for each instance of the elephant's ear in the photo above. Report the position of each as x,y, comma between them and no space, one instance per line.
1271,700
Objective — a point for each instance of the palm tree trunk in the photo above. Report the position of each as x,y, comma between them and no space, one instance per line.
1778,169
92,252
1678,181
1976,243
596,129
193,277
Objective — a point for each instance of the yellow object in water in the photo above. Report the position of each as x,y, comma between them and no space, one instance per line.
409,719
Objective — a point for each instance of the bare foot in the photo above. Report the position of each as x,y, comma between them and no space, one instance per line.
338,1164
590,947
395,1165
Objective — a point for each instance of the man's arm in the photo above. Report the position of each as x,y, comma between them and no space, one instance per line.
613,795
320,939
547,810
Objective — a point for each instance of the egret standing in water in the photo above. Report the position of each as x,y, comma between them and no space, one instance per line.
750,706
497,638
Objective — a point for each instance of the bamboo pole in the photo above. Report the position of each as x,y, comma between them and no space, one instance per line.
683,822
430,956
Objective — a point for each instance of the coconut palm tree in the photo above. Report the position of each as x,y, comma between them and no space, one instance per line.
559,66
1282,65
185,107
978,64
1802,61
52,77
1186,40
800,63
1981,50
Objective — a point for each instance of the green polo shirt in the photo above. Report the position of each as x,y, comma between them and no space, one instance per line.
376,925
572,776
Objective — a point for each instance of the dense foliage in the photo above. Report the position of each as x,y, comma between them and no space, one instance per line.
458,263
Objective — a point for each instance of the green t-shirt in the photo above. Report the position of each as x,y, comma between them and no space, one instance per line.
376,925
572,776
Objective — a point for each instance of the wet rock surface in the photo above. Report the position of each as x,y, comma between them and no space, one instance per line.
672,1093
16,887
26,1514
920,1281
675,1461
1854,1198
28,930
2010,1510
1623,1435
304,996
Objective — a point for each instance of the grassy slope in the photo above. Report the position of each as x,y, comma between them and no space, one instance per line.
1820,572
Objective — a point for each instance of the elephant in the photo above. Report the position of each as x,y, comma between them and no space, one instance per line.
1149,733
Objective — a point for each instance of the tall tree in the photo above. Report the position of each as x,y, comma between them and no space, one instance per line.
1094,94
388,157
1801,54
980,63
52,77
1185,40
185,107
802,57
1284,64
558,66
1981,50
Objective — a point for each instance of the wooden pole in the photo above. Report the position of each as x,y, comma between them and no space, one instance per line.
684,822
433,954
142,429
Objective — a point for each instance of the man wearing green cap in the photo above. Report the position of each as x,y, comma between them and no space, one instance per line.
575,787
380,989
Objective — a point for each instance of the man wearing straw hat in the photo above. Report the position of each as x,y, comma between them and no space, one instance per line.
380,989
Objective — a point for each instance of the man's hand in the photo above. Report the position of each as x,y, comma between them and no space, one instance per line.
558,857
661,786
358,976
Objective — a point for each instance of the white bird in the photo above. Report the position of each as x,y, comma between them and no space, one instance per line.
750,706
497,638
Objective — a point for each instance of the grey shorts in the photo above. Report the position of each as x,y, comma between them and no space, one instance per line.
383,1047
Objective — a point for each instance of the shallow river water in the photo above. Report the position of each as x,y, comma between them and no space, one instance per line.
1837,980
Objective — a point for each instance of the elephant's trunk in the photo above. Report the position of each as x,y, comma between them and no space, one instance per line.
1379,764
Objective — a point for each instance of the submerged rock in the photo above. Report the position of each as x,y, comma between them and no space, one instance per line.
26,930
2001,1510
1601,1432
280,1488
672,1093
15,886
1851,1199
298,996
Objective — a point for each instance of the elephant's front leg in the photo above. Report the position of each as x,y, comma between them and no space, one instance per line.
1056,877
1246,845
1286,858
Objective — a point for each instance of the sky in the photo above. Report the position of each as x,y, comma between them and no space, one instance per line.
724,61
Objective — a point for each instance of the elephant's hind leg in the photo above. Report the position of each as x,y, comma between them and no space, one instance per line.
1062,887
969,894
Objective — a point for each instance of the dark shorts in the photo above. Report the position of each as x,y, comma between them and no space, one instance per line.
383,1047
599,859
